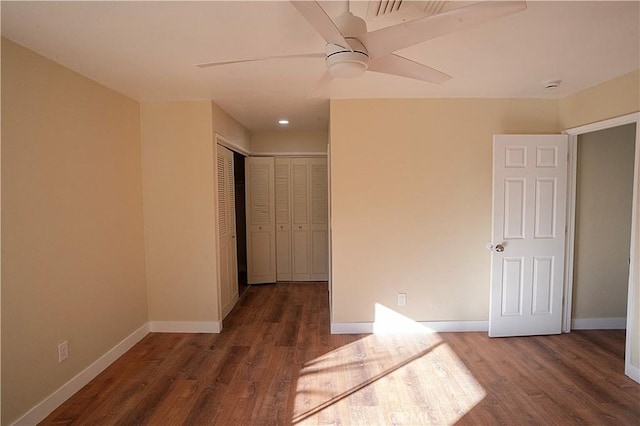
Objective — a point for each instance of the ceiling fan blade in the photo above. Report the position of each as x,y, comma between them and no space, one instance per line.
397,65
304,55
389,39
318,18
321,89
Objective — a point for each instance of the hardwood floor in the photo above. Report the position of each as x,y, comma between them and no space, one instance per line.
275,363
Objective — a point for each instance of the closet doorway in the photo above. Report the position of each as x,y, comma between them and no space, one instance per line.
241,221
231,225
604,194
632,314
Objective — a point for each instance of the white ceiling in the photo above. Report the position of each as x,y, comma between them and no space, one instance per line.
147,50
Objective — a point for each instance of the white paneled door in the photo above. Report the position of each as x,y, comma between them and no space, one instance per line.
528,237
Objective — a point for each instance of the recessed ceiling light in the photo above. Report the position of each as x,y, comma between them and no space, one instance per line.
283,121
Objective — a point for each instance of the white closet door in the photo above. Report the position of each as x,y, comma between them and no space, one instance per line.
283,218
233,256
300,219
261,243
227,230
319,213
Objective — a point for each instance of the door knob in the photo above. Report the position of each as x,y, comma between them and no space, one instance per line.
499,248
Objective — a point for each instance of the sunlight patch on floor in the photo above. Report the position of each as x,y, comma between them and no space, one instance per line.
389,321
402,374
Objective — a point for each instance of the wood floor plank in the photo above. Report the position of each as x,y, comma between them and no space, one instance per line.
276,363
176,405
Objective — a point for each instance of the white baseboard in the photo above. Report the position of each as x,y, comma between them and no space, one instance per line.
599,324
53,401
632,371
456,326
185,326
351,328
429,326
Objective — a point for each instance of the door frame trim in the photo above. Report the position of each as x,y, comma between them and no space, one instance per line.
221,140
571,217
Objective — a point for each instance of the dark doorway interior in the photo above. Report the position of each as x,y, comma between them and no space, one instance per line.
241,222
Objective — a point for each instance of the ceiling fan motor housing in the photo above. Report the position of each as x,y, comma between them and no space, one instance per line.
343,62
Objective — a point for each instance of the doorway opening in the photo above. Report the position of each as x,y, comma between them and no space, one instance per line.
604,195
241,221
633,304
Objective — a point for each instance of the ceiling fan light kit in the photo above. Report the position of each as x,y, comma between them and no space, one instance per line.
347,63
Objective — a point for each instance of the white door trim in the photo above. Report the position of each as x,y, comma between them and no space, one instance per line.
571,217
221,140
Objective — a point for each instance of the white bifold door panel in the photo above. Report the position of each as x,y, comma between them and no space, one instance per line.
261,235
528,236
300,219
227,230
319,219
283,218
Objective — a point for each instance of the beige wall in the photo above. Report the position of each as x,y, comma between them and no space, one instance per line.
179,207
230,129
289,142
179,215
72,243
411,202
603,222
610,99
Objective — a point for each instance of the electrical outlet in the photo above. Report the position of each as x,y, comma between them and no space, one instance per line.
63,351
402,299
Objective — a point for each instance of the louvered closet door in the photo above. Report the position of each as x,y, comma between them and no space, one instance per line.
283,218
300,219
261,244
319,213
227,230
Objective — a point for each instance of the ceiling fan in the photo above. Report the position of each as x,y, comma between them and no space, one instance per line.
351,50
